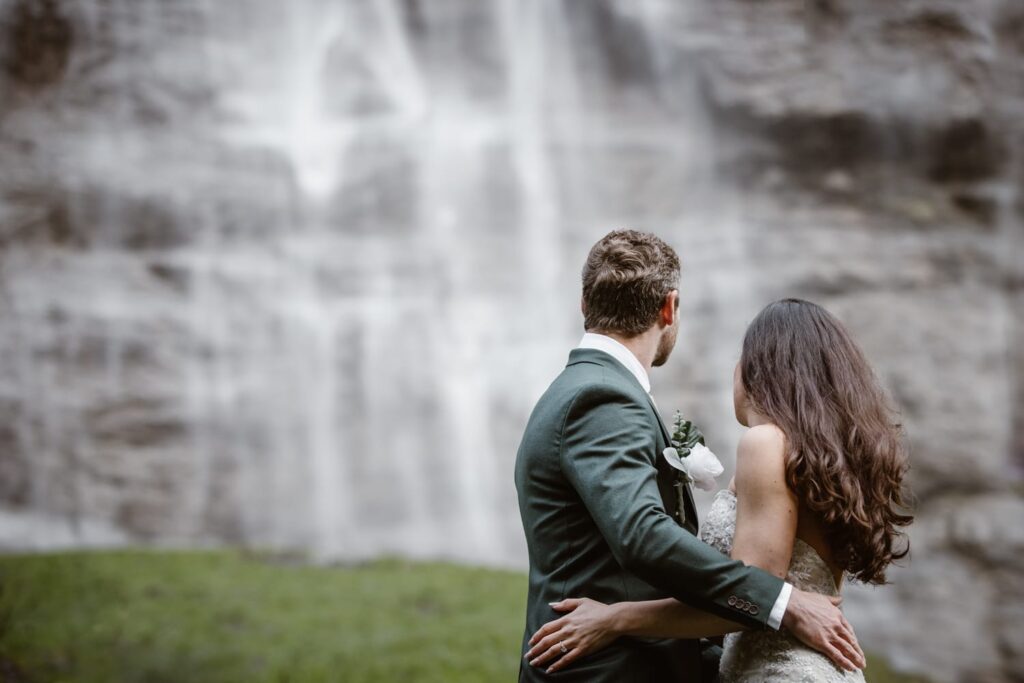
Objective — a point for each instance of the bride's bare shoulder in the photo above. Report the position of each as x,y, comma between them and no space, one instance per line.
762,455
766,439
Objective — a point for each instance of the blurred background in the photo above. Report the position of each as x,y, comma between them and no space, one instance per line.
289,276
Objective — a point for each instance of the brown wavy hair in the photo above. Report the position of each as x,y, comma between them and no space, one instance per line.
846,459
626,278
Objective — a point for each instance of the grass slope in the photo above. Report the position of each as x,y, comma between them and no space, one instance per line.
194,617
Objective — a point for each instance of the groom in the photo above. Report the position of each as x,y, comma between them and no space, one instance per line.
597,501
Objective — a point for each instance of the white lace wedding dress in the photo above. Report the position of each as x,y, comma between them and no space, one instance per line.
773,656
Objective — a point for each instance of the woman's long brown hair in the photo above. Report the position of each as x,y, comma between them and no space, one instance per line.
845,455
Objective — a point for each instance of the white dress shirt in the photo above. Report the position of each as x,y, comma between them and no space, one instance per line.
619,353
626,358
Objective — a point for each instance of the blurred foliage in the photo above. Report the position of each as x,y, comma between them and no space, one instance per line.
175,617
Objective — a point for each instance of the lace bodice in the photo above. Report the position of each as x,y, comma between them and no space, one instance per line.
773,656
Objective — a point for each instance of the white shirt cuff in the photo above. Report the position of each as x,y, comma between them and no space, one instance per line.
779,610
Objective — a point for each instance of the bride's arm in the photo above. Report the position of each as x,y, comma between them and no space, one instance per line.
766,509
594,625
669,618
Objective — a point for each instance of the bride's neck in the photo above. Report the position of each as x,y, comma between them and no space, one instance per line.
755,418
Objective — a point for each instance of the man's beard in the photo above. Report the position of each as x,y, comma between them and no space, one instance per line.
665,346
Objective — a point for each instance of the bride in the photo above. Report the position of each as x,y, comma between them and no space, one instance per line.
817,496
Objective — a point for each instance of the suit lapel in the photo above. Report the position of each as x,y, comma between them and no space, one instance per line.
664,430
689,519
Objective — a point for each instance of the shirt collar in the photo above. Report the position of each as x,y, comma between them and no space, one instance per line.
620,353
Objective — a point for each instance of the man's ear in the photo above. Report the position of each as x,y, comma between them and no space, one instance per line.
583,306
670,309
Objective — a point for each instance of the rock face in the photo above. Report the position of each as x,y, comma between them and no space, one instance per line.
293,274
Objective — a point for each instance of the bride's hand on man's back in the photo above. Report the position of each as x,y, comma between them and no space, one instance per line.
587,627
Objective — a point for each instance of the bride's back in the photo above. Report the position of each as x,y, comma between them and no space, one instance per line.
811,530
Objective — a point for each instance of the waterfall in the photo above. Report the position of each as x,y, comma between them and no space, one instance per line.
328,255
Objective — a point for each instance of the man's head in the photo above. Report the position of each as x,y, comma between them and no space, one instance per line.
630,287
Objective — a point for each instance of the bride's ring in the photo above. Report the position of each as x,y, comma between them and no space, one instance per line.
564,648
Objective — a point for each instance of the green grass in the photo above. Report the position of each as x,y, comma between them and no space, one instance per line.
192,617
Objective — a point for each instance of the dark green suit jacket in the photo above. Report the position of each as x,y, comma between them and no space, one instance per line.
600,515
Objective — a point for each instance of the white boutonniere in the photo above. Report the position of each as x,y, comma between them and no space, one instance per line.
689,455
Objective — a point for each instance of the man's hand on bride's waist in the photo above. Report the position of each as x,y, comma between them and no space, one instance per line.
817,622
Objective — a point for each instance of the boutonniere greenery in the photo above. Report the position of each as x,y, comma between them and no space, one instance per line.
688,455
